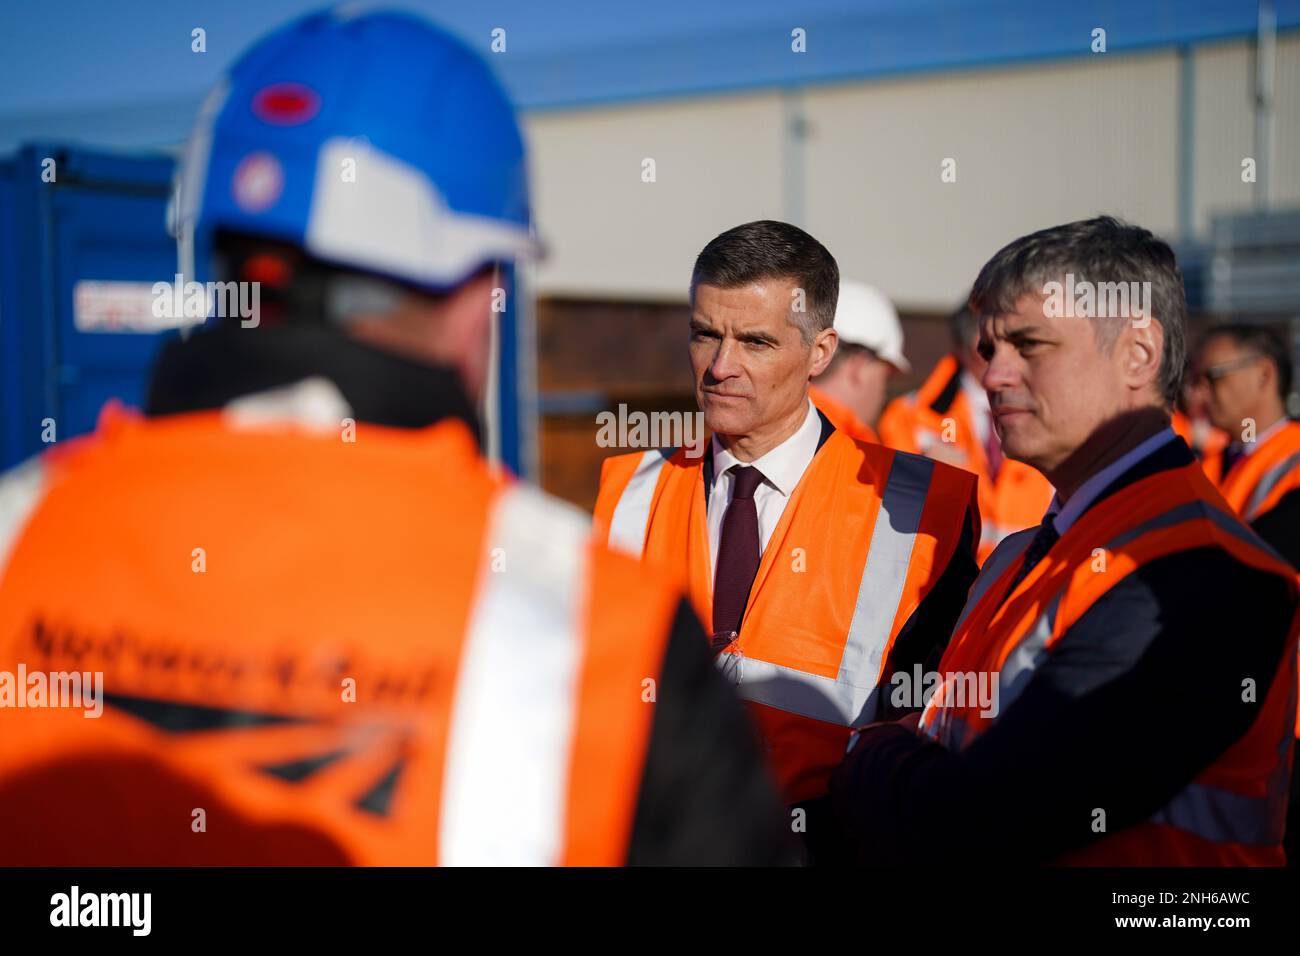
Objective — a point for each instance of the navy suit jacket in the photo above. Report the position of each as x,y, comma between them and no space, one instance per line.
1139,696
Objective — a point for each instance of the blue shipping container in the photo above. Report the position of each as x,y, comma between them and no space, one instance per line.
83,239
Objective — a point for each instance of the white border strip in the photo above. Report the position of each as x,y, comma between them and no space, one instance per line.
505,784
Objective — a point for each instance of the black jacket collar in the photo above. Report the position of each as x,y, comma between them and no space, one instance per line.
212,367
1172,454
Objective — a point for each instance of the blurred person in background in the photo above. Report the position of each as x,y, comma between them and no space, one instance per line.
823,563
949,419
320,616
1102,701
1191,422
1245,374
851,392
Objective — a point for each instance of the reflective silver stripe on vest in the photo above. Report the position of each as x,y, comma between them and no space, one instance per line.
21,490
1003,556
1268,482
1025,658
1222,816
505,781
1019,667
1192,510
628,527
1013,677
851,697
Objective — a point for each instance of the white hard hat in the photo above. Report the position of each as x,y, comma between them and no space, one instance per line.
865,316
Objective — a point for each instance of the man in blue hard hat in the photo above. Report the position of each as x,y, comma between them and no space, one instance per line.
327,631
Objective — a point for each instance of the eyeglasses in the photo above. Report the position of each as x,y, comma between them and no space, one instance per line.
1216,372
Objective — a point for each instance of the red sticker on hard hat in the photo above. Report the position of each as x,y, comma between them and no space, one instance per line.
258,182
286,104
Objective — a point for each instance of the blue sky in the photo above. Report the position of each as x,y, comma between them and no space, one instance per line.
121,72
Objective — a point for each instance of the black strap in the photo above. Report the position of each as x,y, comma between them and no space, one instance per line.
214,366
943,401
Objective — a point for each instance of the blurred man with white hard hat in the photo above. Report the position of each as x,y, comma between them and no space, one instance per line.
851,392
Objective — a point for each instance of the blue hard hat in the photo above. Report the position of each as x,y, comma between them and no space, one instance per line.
377,142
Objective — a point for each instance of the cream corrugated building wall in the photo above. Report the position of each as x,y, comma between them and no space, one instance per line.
1033,145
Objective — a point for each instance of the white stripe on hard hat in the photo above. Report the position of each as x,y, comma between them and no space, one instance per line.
392,219
865,316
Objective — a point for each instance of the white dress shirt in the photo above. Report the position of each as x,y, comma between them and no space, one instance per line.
1248,448
782,467
1064,516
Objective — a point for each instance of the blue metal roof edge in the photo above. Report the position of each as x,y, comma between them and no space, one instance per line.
536,94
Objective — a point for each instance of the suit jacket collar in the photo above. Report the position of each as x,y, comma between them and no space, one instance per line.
1171,452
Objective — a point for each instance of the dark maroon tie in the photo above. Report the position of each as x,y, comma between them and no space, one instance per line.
738,551
1044,538
1231,455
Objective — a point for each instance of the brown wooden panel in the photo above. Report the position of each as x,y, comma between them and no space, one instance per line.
569,453
638,348
570,460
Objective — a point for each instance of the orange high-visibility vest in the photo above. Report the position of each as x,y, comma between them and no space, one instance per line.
1234,811
1205,441
864,537
939,413
414,661
1258,481
842,417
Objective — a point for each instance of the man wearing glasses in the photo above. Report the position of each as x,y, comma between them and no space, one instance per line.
1245,372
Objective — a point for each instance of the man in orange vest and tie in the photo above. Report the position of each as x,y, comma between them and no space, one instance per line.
822,563
1100,701
949,419
851,392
